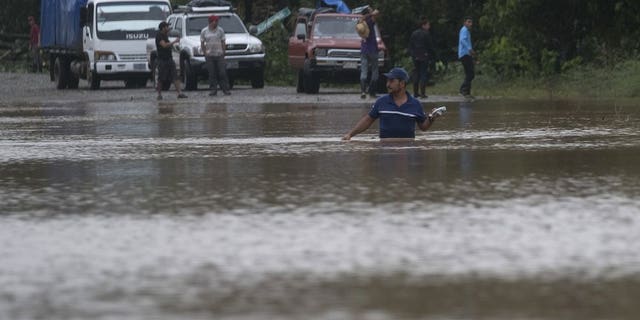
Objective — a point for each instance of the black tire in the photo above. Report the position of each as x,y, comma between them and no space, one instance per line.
61,73
142,82
310,82
74,81
300,83
94,80
190,77
257,80
231,81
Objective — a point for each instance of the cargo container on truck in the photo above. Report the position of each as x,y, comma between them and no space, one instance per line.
99,40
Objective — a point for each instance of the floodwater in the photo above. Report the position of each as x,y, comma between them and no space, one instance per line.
139,210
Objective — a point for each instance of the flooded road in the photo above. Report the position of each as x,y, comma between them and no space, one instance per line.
140,210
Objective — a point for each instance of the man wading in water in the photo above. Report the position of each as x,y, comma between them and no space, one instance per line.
398,111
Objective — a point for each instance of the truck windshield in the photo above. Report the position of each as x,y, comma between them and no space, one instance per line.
130,20
230,24
343,27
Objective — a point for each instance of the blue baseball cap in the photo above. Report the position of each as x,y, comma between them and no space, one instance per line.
397,73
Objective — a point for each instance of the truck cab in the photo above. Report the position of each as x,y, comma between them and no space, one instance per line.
100,40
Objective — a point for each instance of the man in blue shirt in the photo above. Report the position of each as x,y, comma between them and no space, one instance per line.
466,54
398,111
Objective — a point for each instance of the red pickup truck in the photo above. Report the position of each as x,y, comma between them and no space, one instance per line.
326,47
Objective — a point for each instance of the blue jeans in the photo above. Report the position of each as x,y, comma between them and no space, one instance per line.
368,63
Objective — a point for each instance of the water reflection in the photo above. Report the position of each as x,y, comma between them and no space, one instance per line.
241,211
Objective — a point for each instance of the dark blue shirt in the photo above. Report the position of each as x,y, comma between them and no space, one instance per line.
370,44
397,121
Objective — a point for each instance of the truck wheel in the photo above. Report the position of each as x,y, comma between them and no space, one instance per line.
190,77
311,84
257,80
142,82
74,81
61,73
300,84
310,80
94,80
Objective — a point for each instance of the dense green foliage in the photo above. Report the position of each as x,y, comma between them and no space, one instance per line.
538,39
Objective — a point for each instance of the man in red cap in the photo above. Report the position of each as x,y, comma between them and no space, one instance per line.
212,42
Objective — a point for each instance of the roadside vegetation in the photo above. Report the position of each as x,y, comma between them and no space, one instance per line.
535,48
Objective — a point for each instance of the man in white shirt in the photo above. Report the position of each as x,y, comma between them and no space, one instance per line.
212,42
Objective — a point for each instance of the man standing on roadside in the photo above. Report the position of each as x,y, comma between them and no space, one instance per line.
34,45
369,55
166,66
466,55
213,44
421,50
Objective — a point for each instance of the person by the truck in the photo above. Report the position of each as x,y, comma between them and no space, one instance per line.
213,44
369,55
34,45
166,66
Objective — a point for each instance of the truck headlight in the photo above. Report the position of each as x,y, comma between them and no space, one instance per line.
256,48
197,51
320,52
104,56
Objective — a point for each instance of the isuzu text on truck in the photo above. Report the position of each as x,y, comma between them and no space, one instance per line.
99,39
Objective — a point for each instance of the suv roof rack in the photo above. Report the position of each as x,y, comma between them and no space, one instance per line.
182,9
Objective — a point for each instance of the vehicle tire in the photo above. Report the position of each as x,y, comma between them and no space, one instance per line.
300,84
257,80
190,77
310,81
74,81
93,79
142,82
61,73
231,81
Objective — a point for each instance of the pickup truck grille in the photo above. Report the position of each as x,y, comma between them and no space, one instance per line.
133,57
237,47
342,53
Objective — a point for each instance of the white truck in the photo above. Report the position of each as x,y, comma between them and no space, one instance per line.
99,40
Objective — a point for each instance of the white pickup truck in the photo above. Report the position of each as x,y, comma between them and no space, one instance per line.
245,54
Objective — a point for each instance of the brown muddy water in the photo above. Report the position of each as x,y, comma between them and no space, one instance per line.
505,210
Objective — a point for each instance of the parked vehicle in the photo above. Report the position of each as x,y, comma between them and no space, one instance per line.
99,40
326,47
245,54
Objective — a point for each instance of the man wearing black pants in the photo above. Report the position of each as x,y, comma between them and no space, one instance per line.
465,54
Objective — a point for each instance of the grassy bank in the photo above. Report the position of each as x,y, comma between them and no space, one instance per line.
619,81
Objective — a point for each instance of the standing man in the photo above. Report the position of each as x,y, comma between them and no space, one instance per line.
421,50
466,54
369,55
166,66
398,111
34,45
212,42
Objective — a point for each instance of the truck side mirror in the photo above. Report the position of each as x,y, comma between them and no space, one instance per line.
253,30
83,17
